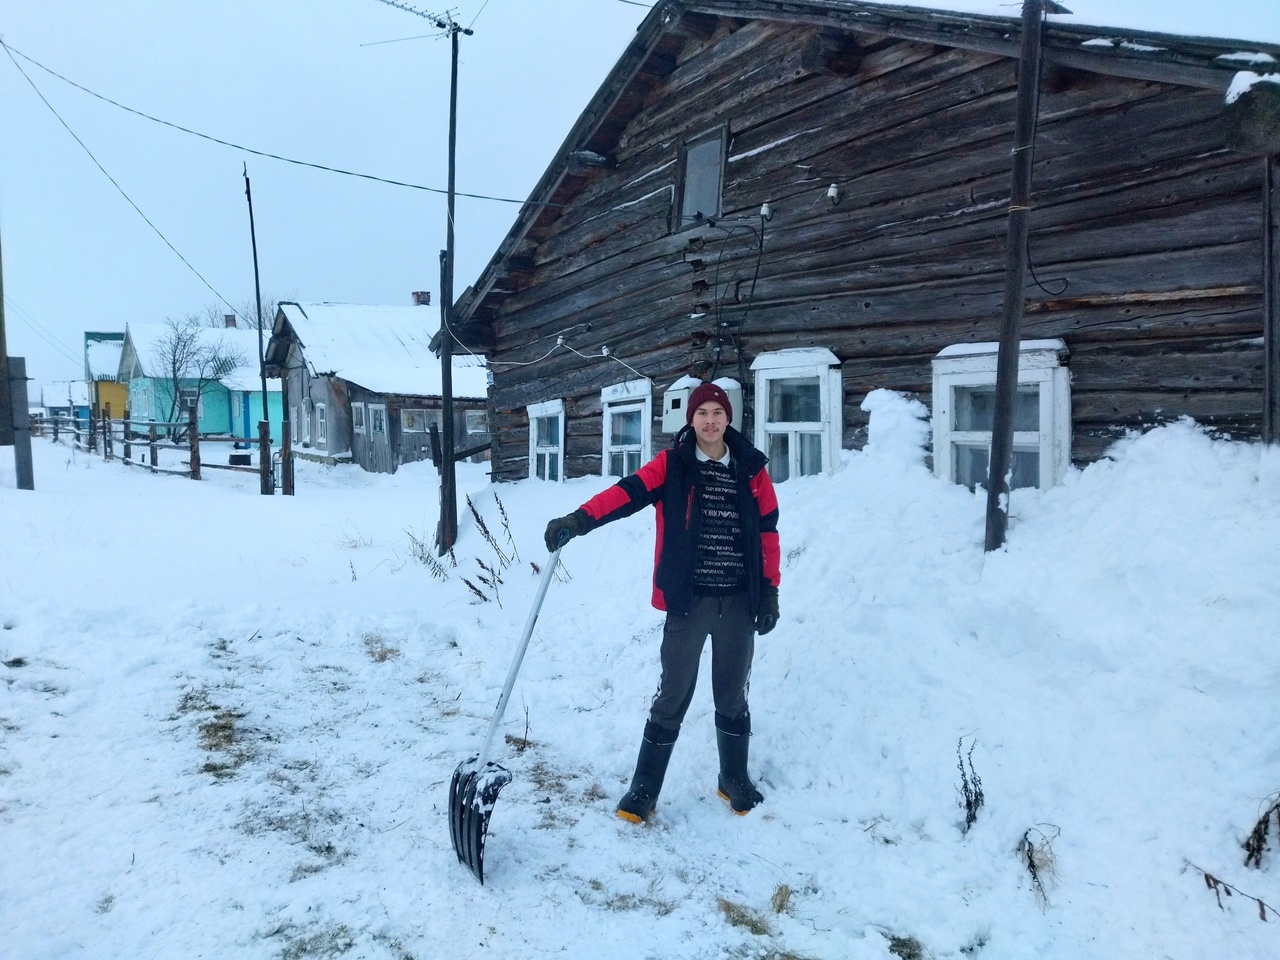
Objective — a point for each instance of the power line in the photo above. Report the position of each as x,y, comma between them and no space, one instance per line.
236,146
83,146
42,333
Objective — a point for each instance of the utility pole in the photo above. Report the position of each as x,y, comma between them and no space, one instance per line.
448,534
447,530
264,425
1015,276
6,392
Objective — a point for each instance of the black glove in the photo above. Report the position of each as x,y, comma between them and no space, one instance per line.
767,615
563,529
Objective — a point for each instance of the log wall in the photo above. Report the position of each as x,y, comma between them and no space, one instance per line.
1145,239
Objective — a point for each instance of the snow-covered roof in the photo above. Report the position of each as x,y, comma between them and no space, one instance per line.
148,343
381,348
102,358
1246,80
1225,19
57,394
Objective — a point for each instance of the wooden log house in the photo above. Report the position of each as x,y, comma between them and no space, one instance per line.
810,197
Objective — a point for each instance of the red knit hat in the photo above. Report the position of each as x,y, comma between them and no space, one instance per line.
704,392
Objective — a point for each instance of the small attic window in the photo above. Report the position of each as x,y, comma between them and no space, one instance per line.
701,177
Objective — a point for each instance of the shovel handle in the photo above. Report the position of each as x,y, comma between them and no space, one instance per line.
547,574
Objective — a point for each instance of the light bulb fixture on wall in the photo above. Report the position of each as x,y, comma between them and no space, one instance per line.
833,194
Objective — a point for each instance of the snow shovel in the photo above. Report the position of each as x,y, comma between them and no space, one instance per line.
476,782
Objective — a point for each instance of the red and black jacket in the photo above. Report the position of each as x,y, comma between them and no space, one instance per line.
670,483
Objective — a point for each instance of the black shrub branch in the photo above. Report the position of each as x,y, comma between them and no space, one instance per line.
1256,843
971,796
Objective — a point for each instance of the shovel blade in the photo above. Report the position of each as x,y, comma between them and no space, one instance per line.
472,793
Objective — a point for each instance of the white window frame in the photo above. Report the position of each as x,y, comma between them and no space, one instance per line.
802,363
358,420
306,421
622,397
297,424
546,409
377,411
1041,363
404,423
322,426
474,416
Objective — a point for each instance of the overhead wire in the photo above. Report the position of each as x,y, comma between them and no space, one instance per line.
113,180
41,332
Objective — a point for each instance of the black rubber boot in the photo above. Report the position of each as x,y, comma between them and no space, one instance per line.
735,787
638,804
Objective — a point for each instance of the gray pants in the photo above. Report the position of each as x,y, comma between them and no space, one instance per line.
731,625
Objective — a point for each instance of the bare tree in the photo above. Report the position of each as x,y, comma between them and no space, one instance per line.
246,314
189,351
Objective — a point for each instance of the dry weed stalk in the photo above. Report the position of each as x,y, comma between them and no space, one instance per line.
971,795
1256,842
1221,888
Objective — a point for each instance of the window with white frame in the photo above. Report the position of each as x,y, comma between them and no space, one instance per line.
546,440
377,419
322,426
628,425
799,412
306,422
414,421
357,417
477,421
297,424
964,393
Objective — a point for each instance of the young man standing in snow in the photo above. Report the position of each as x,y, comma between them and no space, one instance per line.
717,574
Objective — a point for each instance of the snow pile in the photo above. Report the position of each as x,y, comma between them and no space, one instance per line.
228,722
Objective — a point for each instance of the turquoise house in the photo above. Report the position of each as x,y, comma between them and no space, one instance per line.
228,401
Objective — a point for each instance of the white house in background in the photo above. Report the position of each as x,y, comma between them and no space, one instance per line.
64,398
362,383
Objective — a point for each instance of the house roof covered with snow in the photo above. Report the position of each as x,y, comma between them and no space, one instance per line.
102,355
384,349
63,393
150,344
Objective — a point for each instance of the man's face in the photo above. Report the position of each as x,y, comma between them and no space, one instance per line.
709,422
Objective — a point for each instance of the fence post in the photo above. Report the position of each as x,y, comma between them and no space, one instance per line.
264,458
93,432
286,463
194,435
153,451
128,450
106,435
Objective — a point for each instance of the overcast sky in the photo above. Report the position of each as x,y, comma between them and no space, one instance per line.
313,80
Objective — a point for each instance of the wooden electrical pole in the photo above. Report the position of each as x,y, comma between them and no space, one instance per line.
1271,299
1015,276
448,531
6,392
264,425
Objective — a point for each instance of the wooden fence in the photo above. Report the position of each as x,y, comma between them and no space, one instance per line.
141,444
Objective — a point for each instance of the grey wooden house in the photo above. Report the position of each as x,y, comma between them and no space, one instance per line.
362,385
810,197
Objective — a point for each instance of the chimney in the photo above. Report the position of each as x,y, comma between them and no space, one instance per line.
422,298
229,321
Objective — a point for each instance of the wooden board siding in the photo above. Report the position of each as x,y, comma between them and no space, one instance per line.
1145,240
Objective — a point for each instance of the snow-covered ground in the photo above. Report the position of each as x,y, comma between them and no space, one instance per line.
228,722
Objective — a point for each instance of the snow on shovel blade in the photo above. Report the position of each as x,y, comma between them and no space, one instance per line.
472,793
